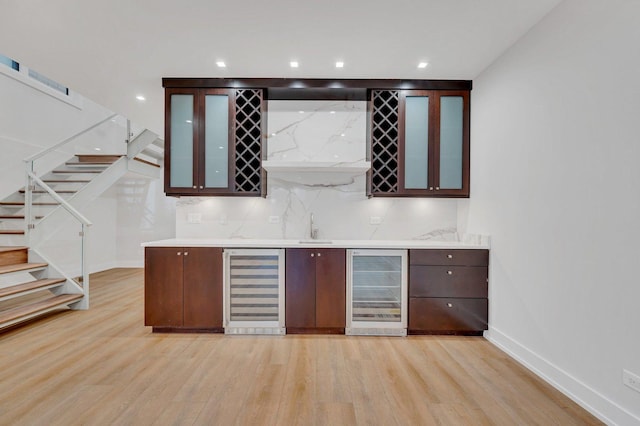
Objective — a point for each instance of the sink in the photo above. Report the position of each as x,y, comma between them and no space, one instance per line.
311,241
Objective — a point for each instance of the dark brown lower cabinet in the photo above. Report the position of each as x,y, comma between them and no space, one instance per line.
315,290
447,315
183,288
448,291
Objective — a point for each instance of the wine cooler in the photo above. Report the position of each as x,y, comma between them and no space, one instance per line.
254,291
377,292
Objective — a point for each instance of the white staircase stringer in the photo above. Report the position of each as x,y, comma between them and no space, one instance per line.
140,142
144,170
70,286
51,223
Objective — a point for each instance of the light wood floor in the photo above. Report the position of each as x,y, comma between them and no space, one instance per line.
103,366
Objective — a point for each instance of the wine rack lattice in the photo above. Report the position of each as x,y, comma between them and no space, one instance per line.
248,143
384,141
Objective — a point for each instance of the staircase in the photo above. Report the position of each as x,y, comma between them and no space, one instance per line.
27,294
31,285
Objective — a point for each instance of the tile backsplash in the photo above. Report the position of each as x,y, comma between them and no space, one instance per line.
320,131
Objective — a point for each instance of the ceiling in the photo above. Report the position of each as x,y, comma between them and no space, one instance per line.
112,50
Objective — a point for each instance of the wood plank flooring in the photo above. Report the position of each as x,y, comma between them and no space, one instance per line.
104,367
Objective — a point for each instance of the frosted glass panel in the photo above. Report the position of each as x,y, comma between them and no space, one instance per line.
451,120
416,142
181,141
216,141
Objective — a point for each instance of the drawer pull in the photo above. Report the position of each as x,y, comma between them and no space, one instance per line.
449,272
449,256
186,253
312,254
319,254
179,253
450,305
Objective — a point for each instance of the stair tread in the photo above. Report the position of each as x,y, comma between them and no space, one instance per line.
21,203
4,249
31,285
146,162
98,158
62,191
76,171
12,231
88,164
17,267
66,180
40,306
16,216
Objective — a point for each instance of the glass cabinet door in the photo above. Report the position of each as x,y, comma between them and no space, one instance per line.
451,141
181,152
216,141
416,142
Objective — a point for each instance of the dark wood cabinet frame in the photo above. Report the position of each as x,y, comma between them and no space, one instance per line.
433,186
199,158
321,89
316,88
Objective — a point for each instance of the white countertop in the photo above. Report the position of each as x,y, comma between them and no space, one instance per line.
468,242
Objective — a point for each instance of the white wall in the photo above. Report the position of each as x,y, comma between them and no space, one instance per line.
555,182
317,131
33,117
144,213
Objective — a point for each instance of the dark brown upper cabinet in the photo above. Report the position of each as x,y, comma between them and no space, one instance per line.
418,143
214,141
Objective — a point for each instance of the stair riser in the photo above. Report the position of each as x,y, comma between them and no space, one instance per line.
13,257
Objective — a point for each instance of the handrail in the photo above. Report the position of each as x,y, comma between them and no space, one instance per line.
68,207
67,140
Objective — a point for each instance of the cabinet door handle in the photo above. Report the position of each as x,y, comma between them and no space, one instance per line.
319,254
449,305
431,188
201,187
437,188
449,272
186,253
449,256
179,253
194,187
312,254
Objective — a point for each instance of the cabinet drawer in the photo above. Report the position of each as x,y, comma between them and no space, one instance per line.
447,314
448,281
449,257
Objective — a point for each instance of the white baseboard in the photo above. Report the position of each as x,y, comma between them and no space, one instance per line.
590,399
99,267
130,264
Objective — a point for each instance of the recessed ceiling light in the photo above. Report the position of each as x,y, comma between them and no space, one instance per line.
293,64
221,64
140,97
332,112
273,134
339,64
301,112
98,149
422,65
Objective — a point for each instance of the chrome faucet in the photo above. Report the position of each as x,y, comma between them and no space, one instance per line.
313,232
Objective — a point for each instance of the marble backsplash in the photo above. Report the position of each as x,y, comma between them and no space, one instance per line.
320,131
